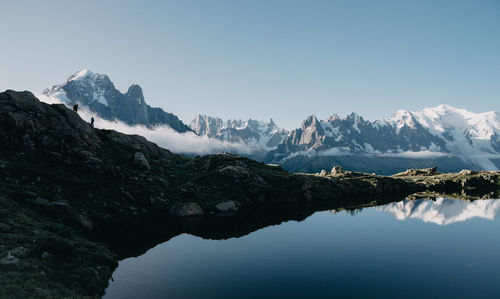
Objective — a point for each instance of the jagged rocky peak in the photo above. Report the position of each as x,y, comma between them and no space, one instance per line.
311,120
442,132
206,125
257,134
312,124
97,93
135,91
272,127
354,116
86,74
333,117
403,118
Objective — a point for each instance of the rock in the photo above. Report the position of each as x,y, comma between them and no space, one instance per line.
417,172
140,161
236,172
19,251
41,201
337,170
127,195
85,155
323,173
467,172
85,222
163,182
227,206
30,194
187,209
8,260
60,203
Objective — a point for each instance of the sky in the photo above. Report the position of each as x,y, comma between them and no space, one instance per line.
263,59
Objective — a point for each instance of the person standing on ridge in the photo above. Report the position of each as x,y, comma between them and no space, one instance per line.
75,108
92,121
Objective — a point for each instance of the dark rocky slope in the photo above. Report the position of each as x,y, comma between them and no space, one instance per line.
74,200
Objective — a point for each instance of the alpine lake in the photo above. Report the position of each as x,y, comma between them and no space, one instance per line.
440,248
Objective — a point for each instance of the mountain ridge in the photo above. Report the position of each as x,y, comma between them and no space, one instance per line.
98,93
472,138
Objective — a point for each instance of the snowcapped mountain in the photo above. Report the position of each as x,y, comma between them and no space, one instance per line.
445,136
98,94
258,135
473,136
443,211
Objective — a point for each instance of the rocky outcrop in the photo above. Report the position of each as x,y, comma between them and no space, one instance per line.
337,170
140,161
227,206
419,172
187,209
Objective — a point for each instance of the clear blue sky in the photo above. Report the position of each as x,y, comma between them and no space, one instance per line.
261,59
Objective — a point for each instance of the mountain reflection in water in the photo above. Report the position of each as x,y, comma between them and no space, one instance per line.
443,211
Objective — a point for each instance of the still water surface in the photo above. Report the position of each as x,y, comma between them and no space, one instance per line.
443,248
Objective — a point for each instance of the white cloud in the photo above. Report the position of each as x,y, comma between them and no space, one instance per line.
415,155
345,152
164,136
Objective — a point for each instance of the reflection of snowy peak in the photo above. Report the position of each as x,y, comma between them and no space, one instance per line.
440,132
97,93
443,211
257,134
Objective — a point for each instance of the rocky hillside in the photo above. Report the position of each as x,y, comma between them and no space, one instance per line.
97,93
74,199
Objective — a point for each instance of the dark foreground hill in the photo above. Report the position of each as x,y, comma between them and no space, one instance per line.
74,199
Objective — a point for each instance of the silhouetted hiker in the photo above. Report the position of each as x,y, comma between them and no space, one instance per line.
92,121
75,108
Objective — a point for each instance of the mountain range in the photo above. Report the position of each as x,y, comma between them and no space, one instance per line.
449,137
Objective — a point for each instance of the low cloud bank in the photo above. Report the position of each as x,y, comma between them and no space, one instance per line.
164,136
407,154
414,155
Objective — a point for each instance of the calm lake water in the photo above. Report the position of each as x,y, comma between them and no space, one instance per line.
443,248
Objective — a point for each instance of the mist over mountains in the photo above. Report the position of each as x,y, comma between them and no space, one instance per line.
451,138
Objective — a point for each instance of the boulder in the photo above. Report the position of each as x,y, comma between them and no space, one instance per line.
9,259
323,173
236,172
140,161
337,170
85,222
187,209
227,206
419,172
467,172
